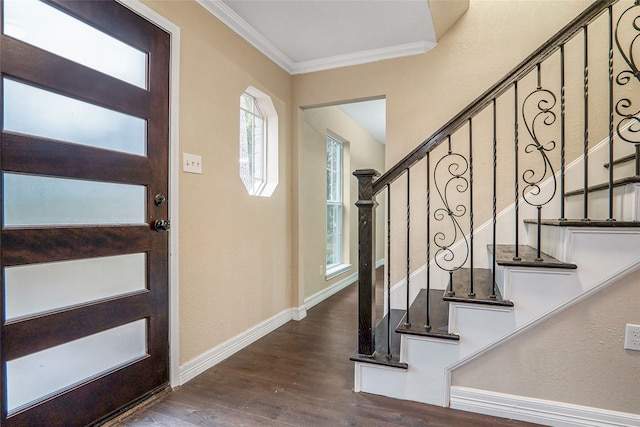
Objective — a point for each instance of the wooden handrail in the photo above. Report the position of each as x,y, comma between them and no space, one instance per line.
539,55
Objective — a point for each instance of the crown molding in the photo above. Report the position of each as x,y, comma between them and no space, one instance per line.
362,57
231,19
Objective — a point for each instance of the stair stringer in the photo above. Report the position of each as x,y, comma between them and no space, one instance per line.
524,413
603,255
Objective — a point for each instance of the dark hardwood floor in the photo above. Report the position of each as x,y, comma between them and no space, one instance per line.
299,375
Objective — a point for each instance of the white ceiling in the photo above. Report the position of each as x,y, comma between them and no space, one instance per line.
303,36
312,35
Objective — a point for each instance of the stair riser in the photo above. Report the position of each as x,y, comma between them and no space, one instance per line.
576,244
532,290
421,382
626,202
538,291
480,324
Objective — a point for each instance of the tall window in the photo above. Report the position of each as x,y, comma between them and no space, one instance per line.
258,143
334,202
252,144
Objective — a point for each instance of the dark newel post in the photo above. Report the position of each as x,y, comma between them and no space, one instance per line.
366,260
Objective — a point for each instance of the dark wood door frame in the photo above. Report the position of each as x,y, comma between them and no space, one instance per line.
136,169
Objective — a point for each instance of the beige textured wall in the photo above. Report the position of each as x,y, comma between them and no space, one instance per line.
360,151
235,251
424,91
445,13
575,357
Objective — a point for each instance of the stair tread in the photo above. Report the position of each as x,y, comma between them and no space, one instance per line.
482,278
380,355
439,317
621,160
603,223
604,186
505,253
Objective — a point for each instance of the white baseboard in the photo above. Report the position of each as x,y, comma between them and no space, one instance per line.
547,412
299,313
220,352
318,297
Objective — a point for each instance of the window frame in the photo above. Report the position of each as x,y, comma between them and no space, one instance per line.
336,201
255,138
263,109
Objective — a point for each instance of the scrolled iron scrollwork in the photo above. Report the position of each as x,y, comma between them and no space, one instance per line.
452,167
627,38
537,113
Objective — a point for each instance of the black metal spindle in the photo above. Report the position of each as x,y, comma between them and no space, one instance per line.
539,207
585,156
494,205
407,322
539,224
450,291
610,11
427,325
516,256
471,292
562,133
388,267
537,112
637,159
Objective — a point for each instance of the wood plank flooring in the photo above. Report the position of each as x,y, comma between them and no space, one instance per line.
299,375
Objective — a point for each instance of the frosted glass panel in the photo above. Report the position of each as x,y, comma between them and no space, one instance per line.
32,111
40,374
38,288
31,200
48,28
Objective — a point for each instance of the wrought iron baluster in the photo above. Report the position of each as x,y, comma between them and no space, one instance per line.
628,128
452,167
516,256
562,133
610,16
407,322
427,325
537,111
585,155
494,205
388,268
471,292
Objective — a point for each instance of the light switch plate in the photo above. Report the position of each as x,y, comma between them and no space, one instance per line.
191,163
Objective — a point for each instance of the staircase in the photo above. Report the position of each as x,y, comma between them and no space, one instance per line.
558,212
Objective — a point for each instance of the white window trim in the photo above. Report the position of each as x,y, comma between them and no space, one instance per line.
333,267
271,171
336,270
